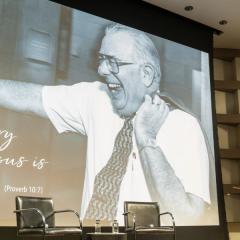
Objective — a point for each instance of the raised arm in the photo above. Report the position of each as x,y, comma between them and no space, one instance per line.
22,97
164,186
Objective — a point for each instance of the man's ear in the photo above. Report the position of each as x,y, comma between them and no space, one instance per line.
148,73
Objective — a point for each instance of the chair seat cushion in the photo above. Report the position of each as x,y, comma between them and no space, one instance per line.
50,231
162,229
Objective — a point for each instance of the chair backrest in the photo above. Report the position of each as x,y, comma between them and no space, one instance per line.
32,219
146,213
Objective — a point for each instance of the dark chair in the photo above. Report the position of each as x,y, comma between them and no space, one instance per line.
36,217
142,221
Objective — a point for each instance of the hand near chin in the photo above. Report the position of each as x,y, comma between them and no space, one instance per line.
149,119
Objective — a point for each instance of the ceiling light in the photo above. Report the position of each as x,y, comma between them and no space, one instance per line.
223,22
188,8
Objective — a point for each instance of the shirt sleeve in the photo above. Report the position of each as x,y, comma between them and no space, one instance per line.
68,107
184,146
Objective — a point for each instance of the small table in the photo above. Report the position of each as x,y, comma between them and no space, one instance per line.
106,236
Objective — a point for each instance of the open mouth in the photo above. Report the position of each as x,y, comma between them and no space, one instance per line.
113,87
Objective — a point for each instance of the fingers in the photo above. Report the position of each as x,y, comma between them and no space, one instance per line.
148,99
161,105
165,111
153,111
157,100
156,103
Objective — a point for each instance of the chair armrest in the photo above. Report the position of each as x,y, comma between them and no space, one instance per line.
134,220
171,216
36,210
66,211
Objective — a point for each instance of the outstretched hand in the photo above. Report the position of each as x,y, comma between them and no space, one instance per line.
149,119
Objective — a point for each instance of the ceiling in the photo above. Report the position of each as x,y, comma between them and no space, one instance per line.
210,12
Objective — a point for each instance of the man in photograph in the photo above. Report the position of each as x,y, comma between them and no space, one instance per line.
140,147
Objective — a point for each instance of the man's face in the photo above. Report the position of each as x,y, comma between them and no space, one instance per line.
126,87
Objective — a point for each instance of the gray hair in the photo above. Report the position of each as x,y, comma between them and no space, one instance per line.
145,48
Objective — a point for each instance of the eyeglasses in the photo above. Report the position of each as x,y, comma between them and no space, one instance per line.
112,63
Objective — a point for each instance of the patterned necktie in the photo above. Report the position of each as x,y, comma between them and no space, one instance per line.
104,201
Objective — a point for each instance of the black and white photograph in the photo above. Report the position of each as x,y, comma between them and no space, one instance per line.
95,113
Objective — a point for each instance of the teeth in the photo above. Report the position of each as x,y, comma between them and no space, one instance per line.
113,85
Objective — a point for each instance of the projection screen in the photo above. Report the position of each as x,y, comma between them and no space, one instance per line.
56,140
